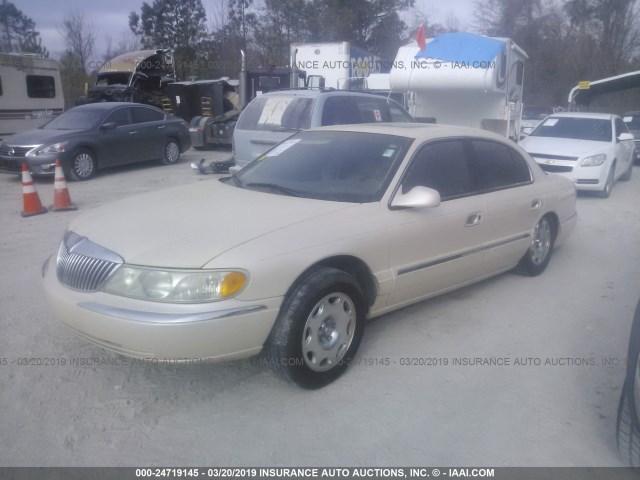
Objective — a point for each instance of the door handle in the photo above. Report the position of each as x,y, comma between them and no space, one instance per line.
133,132
161,127
535,205
473,219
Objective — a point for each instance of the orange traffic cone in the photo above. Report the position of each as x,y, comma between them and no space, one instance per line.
61,198
31,200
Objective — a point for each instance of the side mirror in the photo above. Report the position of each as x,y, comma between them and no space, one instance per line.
108,126
417,197
625,136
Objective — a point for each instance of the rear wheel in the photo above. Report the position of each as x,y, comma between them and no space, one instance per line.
537,257
82,165
171,152
319,328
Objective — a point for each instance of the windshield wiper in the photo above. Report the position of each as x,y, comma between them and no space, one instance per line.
286,129
273,186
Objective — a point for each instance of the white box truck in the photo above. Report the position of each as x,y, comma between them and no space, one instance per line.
340,63
463,79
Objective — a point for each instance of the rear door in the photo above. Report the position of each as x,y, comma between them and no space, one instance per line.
514,203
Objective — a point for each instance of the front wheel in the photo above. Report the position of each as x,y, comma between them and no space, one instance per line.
608,186
83,165
628,421
537,257
171,153
319,328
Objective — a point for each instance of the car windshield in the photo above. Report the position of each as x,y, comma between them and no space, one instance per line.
535,113
75,120
576,128
277,112
328,165
632,122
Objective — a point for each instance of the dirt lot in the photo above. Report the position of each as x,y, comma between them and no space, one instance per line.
420,394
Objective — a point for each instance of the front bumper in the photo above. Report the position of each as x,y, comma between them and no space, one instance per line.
41,165
217,331
584,178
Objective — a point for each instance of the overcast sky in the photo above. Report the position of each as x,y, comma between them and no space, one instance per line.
111,17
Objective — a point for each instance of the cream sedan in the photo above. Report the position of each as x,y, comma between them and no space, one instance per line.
326,229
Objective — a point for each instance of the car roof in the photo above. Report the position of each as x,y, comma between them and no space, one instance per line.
104,106
316,92
421,131
601,116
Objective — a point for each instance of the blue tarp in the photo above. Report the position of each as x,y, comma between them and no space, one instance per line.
462,47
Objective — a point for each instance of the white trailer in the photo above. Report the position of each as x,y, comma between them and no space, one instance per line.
339,63
463,79
30,92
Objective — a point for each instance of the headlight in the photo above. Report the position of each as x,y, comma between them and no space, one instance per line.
55,148
594,161
175,286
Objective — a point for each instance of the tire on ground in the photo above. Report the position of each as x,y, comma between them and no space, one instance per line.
318,329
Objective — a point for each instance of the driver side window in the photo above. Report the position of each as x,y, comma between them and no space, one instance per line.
442,166
120,117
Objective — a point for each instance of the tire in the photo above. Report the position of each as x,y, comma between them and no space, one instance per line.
82,165
608,186
627,426
319,328
537,257
627,175
171,152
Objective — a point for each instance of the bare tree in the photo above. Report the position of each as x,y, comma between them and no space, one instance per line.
79,37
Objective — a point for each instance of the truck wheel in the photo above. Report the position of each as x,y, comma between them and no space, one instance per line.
82,165
319,328
171,152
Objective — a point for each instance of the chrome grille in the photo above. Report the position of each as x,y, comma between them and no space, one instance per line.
14,151
84,266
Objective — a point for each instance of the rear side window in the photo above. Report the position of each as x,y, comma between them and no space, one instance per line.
277,113
340,110
142,115
41,86
499,166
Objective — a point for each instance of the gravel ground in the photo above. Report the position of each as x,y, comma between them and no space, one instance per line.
412,398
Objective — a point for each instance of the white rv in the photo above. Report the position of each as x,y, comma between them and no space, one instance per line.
463,79
340,63
30,92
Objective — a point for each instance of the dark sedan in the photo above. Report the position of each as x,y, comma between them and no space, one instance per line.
97,135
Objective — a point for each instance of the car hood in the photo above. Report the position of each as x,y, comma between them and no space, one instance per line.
562,146
187,226
39,136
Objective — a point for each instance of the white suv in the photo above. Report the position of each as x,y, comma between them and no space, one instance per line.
272,117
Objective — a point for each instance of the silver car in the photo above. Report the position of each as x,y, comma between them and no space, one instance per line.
272,117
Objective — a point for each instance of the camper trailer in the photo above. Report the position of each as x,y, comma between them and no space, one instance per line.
30,92
463,79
